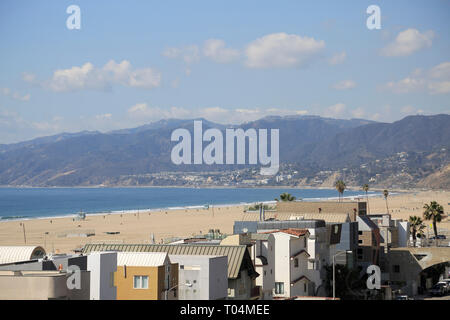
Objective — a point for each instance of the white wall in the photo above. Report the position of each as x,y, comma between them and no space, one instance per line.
266,278
403,233
210,274
102,266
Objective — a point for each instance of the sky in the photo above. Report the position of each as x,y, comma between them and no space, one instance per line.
135,62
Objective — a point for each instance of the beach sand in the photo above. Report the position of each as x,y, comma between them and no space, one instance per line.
138,228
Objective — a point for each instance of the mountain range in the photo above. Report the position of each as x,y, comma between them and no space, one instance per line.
93,158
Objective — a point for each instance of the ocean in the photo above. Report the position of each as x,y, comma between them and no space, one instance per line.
28,203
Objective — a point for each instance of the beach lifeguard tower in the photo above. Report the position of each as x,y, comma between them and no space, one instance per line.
81,216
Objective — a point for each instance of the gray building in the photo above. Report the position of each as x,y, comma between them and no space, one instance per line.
201,277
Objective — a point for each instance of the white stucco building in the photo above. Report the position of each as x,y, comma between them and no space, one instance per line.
263,256
102,266
291,263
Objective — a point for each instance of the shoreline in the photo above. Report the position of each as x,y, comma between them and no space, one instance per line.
64,234
181,207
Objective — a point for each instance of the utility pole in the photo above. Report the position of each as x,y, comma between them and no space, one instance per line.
24,235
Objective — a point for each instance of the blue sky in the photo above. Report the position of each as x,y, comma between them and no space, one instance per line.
134,62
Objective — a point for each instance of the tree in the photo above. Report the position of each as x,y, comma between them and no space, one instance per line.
340,187
286,197
434,212
416,227
365,187
386,194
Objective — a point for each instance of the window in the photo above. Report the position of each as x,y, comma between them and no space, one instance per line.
304,242
265,272
167,284
181,266
360,233
140,282
279,287
396,268
360,241
304,287
296,263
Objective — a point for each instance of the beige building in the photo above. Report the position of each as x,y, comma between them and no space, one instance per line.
350,208
146,276
41,285
241,272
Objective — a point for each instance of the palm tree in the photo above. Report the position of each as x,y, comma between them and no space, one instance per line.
434,212
286,197
386,194
365,187
416,227
340,187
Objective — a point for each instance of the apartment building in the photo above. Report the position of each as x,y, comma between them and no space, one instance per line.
36,285
263,256
368,252
201,277
90,277
241,272
352,208
291,263
146,276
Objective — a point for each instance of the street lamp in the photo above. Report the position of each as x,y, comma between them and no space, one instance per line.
180,284
334,271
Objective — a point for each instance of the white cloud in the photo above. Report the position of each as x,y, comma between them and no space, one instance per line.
336,110
215,50
88,77
28,77
358,113
434,81
441,71
143,113
408,42
282,50
189,54
406,85
344,85
7,92
105,116
439,87
338,58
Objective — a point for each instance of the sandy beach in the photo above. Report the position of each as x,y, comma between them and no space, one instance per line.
138,227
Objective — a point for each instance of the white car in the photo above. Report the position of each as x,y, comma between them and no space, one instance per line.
444,284
447,281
